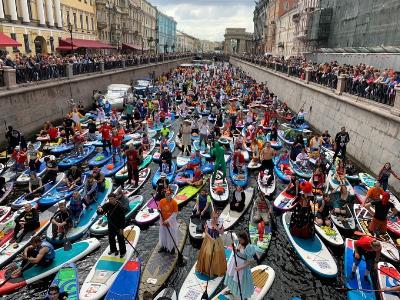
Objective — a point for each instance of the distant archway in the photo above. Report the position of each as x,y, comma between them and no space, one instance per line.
40,45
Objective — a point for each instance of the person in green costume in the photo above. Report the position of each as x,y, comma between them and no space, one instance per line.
218,153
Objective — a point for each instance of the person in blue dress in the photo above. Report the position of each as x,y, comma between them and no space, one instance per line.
245,253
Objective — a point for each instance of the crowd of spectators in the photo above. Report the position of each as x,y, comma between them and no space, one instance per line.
361,80
30,68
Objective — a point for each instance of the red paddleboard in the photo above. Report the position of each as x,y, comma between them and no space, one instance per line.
12,284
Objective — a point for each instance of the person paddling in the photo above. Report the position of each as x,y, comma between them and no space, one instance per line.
169,210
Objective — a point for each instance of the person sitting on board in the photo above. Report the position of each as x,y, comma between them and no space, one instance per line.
61,221
369,248
35,186
318,180
39,253
245,253
51,171
384,175
55,294
239,142
91,136
73,177
203,205
374,193
211,260
90,191
300,117
33,157
116,224
383,206
327,140
166,159
342,201
163,143
100,179
302,219
76,207
27,220
302,158
315,145
255,147
324,209
238,200
168,224
197,179
161,186
293,188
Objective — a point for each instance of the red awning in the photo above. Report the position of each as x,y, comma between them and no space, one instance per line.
79,43
6,41
126,46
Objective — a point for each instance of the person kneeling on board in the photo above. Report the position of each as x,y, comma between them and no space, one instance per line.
61,221
370,248
116,224
37,253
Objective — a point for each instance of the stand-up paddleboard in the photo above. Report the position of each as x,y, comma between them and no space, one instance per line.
168,293
231,217
4,213
59,193
263,278
51,145
220,189
274,144
161,265
263,240
360,192
100,227
47,188
9,187
345,222
364,218
312,252
388,276
170,137
67,281
359,287
76,159
331,235
100,159
113,166
36,273
188,192
170,176
105,271
122,174
204,151
126,285
148,214
184,177
267,188
62,148
282,169
182,160
367,179
88,217
300,170
285,201
157,154
194,285
334,183
131,188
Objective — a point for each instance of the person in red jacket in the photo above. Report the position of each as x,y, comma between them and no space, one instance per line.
20,157
105,130
238,161
370,248
53,133
116,141
133,161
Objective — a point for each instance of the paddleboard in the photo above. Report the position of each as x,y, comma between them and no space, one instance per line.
220,189
168,293
74,159
8,189
100,159
346,222
67,281
122,174
188,192
112,167
170,176
231,217
285,201
260,210
388,276
267,189
334,183
105,271
312,252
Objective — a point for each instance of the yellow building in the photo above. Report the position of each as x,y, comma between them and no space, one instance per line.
39,24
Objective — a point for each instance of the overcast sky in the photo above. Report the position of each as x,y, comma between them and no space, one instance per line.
207,19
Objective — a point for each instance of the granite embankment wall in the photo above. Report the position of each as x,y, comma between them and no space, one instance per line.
374,130
28,107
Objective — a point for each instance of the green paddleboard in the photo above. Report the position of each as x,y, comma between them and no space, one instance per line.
188,192
67,280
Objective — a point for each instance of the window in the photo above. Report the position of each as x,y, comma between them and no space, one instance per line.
87,23
81,19
26,43
75,25
68,19
92,24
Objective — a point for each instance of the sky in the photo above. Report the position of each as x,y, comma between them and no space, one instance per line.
207,19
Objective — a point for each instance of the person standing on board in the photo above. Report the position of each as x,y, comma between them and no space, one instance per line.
168,224
369,248
341,140
384,175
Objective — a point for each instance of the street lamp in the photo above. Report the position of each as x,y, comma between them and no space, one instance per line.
70,29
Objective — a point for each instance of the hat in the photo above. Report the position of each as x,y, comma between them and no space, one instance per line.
163,175
52,157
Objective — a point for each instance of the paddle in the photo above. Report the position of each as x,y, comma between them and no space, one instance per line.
180,255
237,272
205,294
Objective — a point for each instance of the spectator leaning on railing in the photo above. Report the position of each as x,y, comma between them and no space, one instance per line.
361,80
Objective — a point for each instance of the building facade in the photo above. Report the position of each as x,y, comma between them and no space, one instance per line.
285,43
209,46
186,42
149,26
259,20
39,24
237,40
166,33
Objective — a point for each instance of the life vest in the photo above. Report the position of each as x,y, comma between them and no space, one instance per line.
51,254
75,205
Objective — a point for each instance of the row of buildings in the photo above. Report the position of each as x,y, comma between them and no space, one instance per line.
293,27
49,26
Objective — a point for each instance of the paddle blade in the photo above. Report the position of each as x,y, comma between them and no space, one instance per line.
204,296
67,245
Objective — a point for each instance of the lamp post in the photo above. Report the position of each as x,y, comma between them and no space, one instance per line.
157,41
70,29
